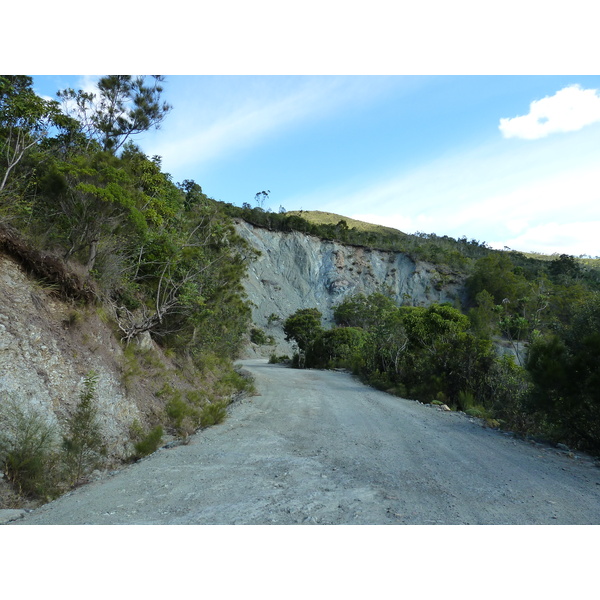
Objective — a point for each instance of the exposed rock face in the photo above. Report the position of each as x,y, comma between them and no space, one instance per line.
45,356
296,271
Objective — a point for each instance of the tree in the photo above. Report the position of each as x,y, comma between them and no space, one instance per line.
193,193
83,443
565,369
303,327
261,197
86,200
565,268
124,106
484,318
341,344
25,119
496,273
364,311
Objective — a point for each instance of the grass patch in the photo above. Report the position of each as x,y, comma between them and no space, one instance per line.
213,414
146,443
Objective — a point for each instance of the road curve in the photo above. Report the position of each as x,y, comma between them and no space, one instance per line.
318,447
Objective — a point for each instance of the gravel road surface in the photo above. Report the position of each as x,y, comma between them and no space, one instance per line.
318,447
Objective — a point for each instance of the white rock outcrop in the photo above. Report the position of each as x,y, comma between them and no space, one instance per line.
296,270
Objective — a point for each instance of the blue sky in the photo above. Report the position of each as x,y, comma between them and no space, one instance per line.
509,160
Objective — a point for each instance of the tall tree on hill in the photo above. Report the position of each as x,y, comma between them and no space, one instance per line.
25,119
124,106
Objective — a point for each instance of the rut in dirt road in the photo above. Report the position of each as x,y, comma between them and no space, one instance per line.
318,447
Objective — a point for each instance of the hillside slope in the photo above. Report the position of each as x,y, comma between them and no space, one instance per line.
320,217
296,270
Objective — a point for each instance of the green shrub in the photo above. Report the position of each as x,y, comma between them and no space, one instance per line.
195,397
466,400
83,445
232,382
149,443
212,414
478,411
29,451
274,359
183,417
257,336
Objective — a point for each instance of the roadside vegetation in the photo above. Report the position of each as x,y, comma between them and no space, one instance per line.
523,354
87,212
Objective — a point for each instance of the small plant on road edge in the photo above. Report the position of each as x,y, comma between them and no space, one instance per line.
145,443
83,445
29,450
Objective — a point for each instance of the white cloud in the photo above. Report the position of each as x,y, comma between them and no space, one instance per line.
570,109
575,238
492,193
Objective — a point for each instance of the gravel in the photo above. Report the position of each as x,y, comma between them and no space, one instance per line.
318,447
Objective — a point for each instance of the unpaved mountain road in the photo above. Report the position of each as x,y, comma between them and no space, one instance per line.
319,447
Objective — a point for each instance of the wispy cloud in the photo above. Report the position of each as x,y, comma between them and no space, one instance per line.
244,112
525,199
576,238
570,109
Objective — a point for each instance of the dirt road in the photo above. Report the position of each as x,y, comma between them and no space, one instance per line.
319,447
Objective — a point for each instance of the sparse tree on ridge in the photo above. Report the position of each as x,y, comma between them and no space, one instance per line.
124,106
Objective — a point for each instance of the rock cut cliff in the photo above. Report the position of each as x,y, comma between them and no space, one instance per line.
296,270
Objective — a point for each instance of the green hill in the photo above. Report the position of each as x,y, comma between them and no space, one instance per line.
327,218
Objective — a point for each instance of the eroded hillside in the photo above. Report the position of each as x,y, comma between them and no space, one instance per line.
296,270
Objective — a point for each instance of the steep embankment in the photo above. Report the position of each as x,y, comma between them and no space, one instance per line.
47,346
296,270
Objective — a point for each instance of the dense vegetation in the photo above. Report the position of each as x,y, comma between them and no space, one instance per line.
164,256
547,316
84,208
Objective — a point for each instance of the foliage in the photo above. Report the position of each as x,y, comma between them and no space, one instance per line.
276,359
149,442
566,373
337,347
258,336
303,327
25,120
82,444
213,414
497,275
183,416
28,449
124,106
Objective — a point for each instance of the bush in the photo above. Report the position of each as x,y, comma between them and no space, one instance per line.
83,444
337,347
29,452
274,359
233,382
183,417
257,336
149,443
213,414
